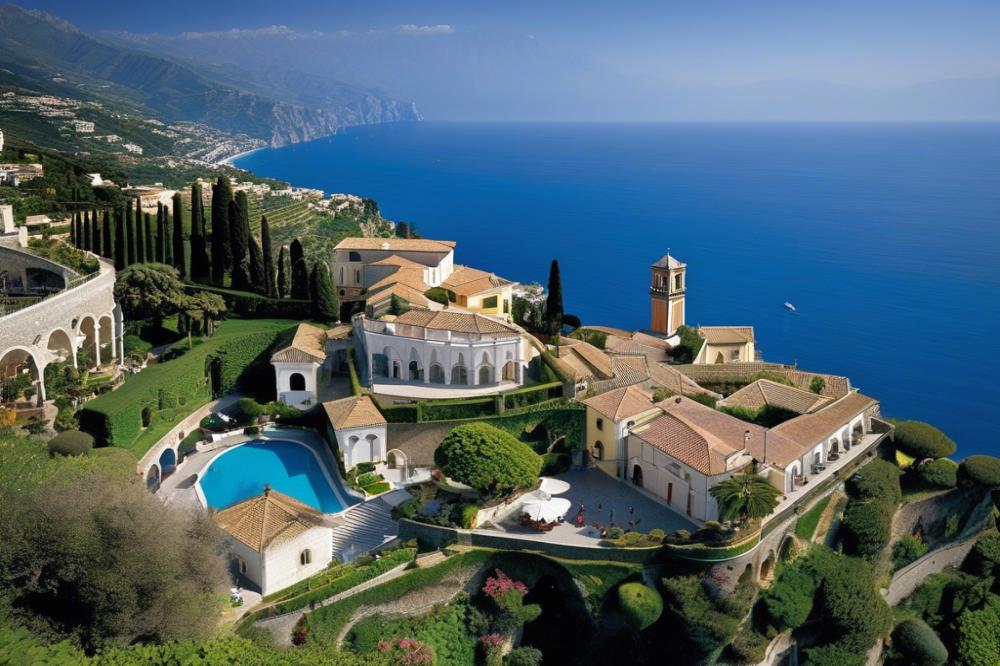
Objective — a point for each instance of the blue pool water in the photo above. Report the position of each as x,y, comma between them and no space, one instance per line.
289,467
886,236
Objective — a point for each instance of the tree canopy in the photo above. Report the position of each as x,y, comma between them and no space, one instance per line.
981,470
554,299
149,292
922,440
489,459
745,497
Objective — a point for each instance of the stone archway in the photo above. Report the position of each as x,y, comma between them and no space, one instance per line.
20,373
767,568
89,349
167,462
637,475
296,382
153,478
60,344
106,338
787,549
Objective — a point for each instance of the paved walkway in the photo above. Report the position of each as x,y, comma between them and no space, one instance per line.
607,501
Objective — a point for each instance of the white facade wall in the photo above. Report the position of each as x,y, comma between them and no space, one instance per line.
819,453
301,399
367,444
251,559
451,351
360,274
282,565
612,436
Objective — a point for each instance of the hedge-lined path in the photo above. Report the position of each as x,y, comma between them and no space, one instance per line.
280,627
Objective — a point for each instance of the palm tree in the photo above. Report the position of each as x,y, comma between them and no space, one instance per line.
745,497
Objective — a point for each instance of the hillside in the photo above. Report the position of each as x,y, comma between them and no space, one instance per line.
52,56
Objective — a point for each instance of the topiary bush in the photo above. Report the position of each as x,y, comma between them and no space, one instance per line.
524,656
868,527
981,470
922,440
908,549
918,643
789,601
489,459
641,605
940,473
71,443
985,560
879,479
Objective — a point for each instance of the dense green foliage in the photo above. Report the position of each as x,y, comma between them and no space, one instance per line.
641,605
940,473
874,494
554,299
488,459
906,550
594,337
689,346
324,301
222,253
789,600
706,620
446,629
149,292
922,440
857,613
71,443
64,254
981,470
918,643
807,523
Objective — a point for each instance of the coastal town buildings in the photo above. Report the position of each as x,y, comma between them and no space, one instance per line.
275,540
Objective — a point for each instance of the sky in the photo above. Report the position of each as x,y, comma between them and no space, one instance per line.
654,50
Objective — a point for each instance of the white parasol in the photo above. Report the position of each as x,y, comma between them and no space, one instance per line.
546,510
552,486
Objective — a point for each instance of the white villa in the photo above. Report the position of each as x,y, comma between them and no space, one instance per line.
370,271
727,344
358,428
679,448
440,349
276,540
297,367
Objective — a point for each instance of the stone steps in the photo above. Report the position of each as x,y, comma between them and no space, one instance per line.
366,526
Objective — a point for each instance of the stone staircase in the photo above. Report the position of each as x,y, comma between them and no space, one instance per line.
366,526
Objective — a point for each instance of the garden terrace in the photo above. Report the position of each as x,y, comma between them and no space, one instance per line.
150,403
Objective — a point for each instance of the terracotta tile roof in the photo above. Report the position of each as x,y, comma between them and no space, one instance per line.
396,260
610,330
308,346
586,359
723,335
397,244
267,518
621,403
466,281
461,322
809,429
339,332
651,341
353,412
411,277
407,293
619,345
686,443
666,261
766,392
666,376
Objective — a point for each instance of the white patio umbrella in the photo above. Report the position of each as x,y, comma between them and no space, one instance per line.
553,486
546,510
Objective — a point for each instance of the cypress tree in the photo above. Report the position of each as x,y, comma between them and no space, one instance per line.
86,230
554,300
161,234
283,285
177,237
199,243
222,253
324,302
95,233
140,243
121,254
107,250
129,235
73,237
300,271
239,241
147,221
265,241
256,266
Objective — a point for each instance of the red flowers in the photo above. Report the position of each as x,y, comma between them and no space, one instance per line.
498,586
408,651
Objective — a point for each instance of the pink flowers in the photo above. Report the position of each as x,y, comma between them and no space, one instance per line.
408,651
492,641
498,586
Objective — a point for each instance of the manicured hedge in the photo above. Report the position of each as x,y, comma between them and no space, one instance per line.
981,470
254,306
879,479
922,440
448,410
868,527
174,388
487,458
918,643
641,605
532,395
71,443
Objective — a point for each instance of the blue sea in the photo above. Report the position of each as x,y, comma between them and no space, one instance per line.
885,236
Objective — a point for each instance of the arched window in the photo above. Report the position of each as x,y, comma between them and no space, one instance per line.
598,450
305,557
486,375
459,375
414,371
437,374
373,448
600,424
296,382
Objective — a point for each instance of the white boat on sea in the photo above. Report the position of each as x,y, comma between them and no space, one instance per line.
789,306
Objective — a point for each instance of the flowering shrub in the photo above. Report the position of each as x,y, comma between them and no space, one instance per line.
407,651
493,648
498,586
508,595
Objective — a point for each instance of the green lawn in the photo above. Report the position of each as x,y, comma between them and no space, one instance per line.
806,525
175,388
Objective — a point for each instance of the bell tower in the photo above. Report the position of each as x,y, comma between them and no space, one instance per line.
666,295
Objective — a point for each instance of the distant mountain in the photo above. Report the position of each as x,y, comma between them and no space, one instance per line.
51,55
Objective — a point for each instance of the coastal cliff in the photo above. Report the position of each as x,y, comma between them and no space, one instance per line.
295,124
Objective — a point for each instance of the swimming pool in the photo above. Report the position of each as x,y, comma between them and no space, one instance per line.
289,467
